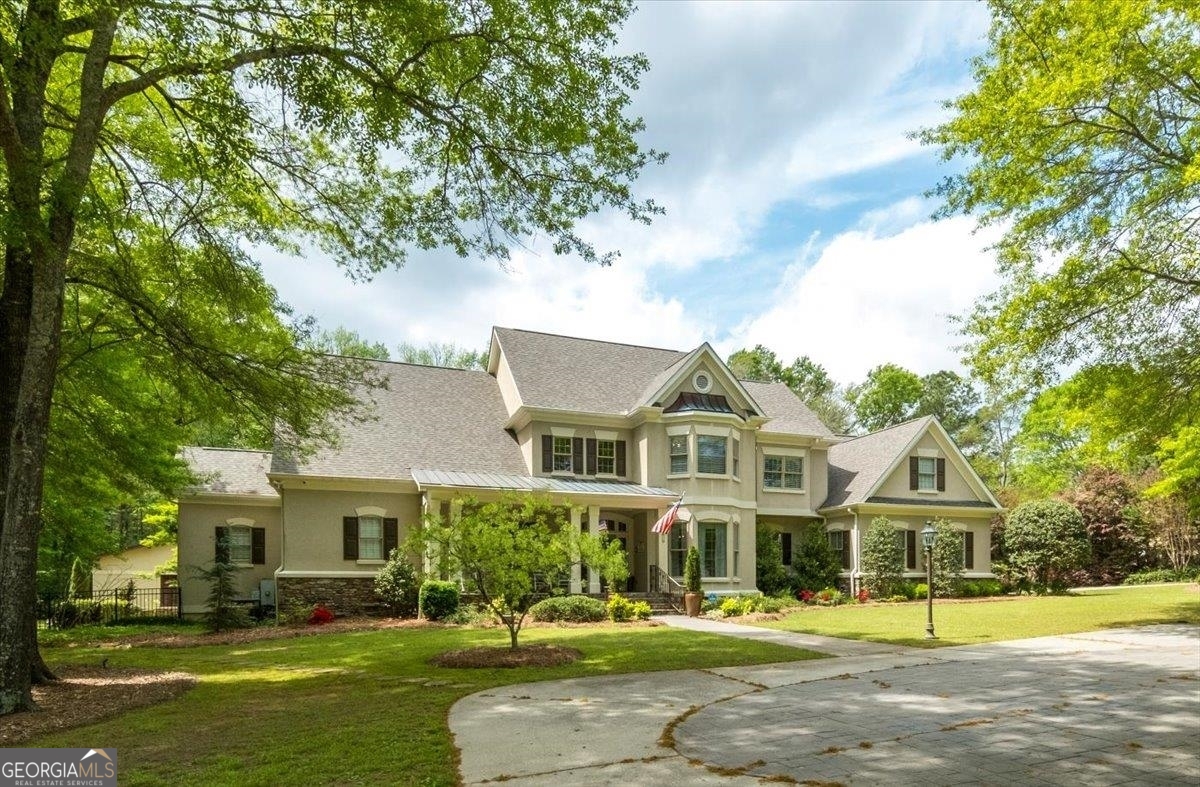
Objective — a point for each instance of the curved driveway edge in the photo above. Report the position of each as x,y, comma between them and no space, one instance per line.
1103,707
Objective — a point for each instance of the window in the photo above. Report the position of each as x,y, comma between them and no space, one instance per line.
737,542
677,550
736,455
679,454
370,538
926,473
840,546
712,549
239,545
785,545
702,382
710,454
783,472
562,454
606,457
906,543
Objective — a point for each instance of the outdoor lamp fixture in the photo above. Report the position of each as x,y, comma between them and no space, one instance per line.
929,538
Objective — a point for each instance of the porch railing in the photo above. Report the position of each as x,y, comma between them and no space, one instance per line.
666,585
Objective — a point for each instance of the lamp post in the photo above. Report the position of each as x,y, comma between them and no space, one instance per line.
929,538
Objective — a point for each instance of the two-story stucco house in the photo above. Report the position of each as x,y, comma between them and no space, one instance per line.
618,431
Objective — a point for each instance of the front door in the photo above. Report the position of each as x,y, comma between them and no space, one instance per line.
621,531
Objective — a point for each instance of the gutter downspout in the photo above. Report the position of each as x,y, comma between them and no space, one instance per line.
855,573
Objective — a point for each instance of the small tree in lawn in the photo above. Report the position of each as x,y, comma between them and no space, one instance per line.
947,560
1045,539
604,557
399,585
815,565
502,549
882,559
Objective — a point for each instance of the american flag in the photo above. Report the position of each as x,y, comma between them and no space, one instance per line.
664,523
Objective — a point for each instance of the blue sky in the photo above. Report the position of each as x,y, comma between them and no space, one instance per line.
796,215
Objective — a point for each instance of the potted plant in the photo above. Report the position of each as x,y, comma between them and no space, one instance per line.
691,582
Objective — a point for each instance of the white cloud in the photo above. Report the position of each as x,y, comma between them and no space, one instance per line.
872,299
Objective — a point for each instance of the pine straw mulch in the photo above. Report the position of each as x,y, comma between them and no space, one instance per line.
87,694
522,656
256,633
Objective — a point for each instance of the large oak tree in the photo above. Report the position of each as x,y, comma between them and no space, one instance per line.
149,146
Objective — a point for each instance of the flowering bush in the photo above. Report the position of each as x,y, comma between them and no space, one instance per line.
807,596
830,597
320,616
863,596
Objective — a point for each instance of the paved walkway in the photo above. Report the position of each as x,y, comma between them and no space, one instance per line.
834,646
1100,708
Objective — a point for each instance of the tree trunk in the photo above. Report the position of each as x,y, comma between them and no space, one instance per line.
512,633
22,520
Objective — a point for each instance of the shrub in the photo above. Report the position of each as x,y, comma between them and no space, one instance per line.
734,606
472,615
1045,539
882,559
568,609
947,560
621,609
769,572
920,590
897,599
1152,576
772,604
398,585
829,597
223,613
862,596
691,570
981,588
320,616
437,599
81,612
814,564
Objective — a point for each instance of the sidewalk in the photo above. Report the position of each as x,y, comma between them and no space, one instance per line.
834,646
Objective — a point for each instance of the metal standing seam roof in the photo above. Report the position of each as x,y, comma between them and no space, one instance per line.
698,402
526,483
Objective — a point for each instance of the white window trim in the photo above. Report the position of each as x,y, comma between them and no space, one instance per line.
239,523
696,377
713,431
685,432
554,436
934,490
794,453
606,435
612,440
372,561
735,474
371,511
561,431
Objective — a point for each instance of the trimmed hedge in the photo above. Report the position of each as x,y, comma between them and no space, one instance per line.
1156,575
438,599
621,609
569,609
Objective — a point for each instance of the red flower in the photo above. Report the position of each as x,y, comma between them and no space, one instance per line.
806,596
320,616
863,596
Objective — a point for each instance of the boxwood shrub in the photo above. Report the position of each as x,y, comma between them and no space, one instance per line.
568,609
438,599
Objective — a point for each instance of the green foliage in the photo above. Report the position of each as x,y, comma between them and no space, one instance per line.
1108,503
771,577
399,585
343,341
70,613
735,606
505,550
1079,140
222,613
947,560
622,610
604,557
980,588
1153,576
569,609
1045,539
882,559
814,563
438,599
471,615
829,597
807,379
890,395
691,570
438,354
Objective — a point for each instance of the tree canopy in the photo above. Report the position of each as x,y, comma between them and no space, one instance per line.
148,148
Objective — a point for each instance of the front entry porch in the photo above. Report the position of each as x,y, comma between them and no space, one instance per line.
631,529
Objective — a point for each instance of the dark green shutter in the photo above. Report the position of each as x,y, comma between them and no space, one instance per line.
621,458
968,550
547,453
591,456
785,545
941,475
391,536
258,546
577,455
845,549
913,469
222,545
349,538
910,548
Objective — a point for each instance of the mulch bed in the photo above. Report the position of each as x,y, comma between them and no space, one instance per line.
258,633
87,694
523,656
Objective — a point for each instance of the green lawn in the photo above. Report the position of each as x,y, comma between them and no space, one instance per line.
990,620
351,708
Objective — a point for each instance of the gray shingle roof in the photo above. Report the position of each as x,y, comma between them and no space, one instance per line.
788,414
428,416
856,466
230,471
566,373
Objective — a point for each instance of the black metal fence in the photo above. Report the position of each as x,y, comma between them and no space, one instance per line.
109,607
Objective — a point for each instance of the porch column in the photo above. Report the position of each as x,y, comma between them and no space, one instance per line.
429,504
594,529
576,525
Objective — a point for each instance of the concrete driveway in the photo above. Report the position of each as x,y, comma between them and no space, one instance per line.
1107,707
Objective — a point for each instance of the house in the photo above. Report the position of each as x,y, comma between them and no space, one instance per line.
618,431
148,570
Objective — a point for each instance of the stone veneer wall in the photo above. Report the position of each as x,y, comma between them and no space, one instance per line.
340,595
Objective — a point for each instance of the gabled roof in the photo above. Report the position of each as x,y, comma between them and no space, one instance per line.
230,471
585,375
858,466
788,414
427,416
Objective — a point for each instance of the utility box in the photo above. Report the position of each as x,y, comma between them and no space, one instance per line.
266,593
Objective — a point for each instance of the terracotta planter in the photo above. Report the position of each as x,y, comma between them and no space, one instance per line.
691,603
